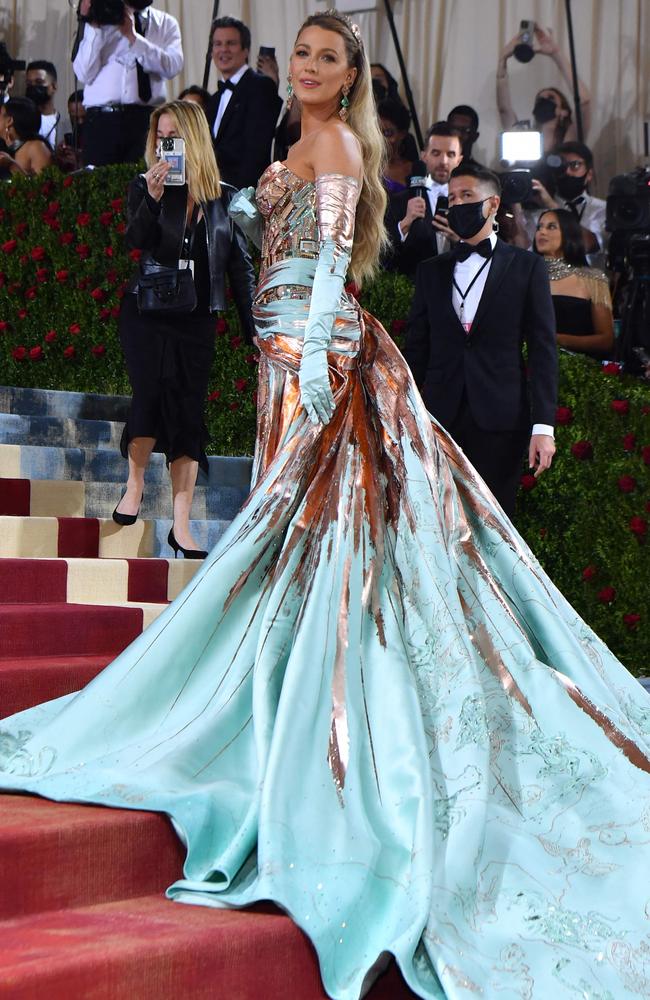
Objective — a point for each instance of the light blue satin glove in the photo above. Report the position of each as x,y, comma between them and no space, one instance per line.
329,278
244,211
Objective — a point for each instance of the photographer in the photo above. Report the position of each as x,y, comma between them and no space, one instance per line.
126,53
551,113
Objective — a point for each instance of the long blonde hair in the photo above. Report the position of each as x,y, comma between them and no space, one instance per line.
369,235
203,178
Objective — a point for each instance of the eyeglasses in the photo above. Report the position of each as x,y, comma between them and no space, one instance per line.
574,164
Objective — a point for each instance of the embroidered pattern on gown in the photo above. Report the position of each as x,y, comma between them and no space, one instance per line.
371,705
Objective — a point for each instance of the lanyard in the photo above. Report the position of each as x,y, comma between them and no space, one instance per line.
463,295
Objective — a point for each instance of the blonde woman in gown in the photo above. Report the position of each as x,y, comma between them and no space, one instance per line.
371,706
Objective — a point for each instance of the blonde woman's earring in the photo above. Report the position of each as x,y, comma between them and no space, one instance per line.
345,103
289,93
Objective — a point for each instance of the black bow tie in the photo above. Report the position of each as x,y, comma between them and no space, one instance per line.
464,250
224,85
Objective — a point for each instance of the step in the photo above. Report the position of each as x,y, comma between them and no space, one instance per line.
93,581
59,432
30,680
54,403
56,855
58,629
50,498
149,948
231,474
79,537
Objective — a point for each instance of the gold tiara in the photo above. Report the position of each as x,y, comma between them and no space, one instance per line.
354,28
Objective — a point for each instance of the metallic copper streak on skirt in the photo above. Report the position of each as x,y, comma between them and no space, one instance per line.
627,746
338,753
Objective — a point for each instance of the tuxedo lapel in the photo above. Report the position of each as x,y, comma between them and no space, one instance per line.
234,103
501,261
445,271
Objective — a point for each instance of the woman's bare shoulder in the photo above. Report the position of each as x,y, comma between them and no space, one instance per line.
337,150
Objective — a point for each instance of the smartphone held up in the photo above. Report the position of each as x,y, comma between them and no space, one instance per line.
172,151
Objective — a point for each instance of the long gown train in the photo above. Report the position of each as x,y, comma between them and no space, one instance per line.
372,706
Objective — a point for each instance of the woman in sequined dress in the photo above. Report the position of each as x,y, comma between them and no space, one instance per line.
371,705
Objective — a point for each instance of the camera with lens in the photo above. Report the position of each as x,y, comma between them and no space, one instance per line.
7,67
110,12
628,219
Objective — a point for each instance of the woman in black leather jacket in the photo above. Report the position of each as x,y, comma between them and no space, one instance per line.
169,355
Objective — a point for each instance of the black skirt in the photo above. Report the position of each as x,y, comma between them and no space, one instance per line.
168,359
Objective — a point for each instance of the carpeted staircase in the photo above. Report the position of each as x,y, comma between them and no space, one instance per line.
82,911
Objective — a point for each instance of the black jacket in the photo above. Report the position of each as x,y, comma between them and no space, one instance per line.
486,365
420,243
243,142
157,229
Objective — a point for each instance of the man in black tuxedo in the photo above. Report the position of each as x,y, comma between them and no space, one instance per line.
472,311
416,231
243,113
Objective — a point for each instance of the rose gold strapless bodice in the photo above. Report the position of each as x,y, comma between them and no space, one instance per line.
288,204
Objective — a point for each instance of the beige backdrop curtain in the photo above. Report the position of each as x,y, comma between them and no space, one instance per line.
451,48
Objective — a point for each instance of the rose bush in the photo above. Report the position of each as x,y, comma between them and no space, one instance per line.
63,269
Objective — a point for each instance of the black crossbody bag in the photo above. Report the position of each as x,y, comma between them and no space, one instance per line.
163,289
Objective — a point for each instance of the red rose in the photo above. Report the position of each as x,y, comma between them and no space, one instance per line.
98,350
115,312
645,454
582,450
251,359
69,352
51,222
112,276
629,442
19,353
20,228
240,384
117,204
36,353
222,326
3,279
9,246
563,415
639,526
589,572
233,406
65,239
74,329
108,251
627,484
612,368
38,253
53,208
121,227
14,287
645,409
98,294
23,314
83,284
104,313
135,254
50,337
30,294
621,406
236,343
397,327
83,219
42,274
106,218
528,482
83,250
46,189
62,276
4,326
607,595
214,396
631,621
68,181
24,260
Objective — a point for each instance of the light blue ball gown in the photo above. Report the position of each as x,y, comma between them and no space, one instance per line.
371,705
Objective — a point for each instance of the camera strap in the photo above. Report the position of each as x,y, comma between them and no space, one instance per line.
185,258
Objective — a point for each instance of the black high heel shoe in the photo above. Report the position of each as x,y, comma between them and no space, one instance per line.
187,553
125,519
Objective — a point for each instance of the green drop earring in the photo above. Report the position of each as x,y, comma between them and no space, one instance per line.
289,93
345,103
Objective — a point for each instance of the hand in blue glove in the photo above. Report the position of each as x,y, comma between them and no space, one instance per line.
315,391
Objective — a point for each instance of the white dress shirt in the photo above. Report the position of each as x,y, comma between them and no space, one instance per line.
434,190
464,273
225,97
106,61
592,213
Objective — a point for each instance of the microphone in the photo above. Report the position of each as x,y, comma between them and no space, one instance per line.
418,181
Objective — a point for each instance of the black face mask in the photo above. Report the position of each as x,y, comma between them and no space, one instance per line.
38,93
544,110
570,187
467,219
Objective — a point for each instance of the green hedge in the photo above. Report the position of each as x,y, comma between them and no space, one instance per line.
62,272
